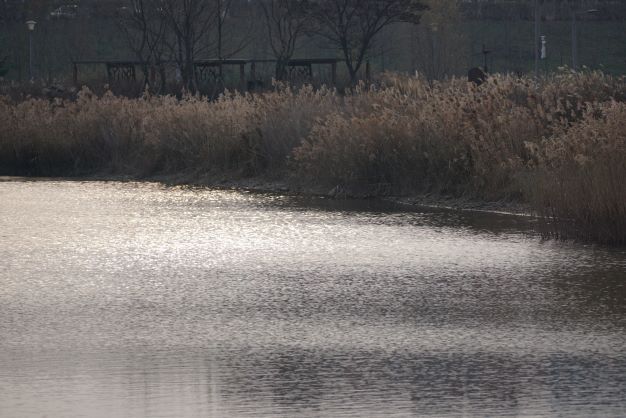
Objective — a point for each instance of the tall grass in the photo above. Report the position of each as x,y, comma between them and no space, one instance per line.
157,134
558,143
581,187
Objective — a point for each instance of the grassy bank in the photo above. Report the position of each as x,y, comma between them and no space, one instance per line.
559,145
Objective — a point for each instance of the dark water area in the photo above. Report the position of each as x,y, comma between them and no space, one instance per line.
131,299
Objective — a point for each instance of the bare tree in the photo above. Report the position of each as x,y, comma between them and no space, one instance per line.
352,25
144,25
286,21
190,22
239,37
223,7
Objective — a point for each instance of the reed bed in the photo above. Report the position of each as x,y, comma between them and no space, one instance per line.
558,143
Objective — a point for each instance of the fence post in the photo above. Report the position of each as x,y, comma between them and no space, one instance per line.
242,76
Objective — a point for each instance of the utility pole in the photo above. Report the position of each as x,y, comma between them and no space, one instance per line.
220,26
574,42
434,29
575,15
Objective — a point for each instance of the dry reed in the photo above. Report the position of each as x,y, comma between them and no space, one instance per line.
558,143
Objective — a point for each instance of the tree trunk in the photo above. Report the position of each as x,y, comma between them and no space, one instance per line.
281,68
189,76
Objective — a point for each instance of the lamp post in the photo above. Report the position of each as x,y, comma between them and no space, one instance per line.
575,35
31,28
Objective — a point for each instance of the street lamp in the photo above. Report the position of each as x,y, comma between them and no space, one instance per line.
31,28
575,35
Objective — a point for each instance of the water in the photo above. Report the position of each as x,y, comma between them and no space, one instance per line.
126,299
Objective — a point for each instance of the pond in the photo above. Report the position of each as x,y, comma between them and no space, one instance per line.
136,299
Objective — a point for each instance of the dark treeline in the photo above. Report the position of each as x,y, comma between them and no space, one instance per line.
551,9
183,31
19,10
438,38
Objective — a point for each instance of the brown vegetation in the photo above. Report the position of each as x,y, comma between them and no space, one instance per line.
559,144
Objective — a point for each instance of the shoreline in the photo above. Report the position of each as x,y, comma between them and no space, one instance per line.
281,186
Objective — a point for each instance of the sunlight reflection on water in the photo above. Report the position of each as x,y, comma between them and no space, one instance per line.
130,299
